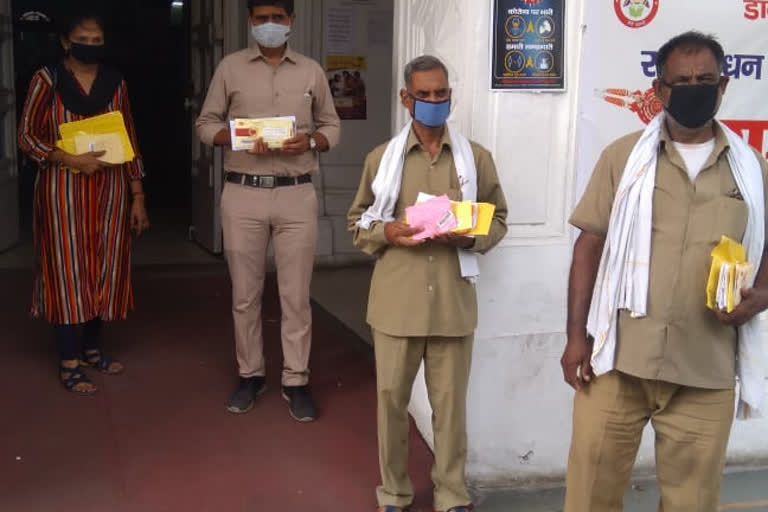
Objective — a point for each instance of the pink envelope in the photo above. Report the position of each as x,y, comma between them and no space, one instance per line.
434,216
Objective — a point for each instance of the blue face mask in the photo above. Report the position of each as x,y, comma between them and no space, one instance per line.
432,114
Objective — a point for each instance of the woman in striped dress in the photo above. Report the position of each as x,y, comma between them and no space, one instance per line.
84,209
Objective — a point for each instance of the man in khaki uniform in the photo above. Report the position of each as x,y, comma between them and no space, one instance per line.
676,365
420,307
268,195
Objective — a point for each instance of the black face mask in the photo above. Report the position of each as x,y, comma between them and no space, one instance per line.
87,53
693,105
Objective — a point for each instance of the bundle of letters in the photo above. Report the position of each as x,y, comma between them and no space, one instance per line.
729,274
436,215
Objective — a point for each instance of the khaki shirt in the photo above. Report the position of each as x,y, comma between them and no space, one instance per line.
680,340
245,85
419,291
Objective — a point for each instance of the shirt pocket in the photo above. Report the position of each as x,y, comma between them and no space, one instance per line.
730,220
297,101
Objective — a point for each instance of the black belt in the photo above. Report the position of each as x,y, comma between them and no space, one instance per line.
253,180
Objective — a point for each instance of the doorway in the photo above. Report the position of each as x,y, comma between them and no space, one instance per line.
167,51
149,43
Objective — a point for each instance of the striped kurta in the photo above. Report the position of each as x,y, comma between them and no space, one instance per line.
81,223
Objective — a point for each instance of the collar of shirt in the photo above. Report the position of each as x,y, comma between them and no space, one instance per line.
721,144
289,55
413,141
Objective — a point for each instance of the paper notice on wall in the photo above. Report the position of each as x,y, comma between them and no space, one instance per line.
617,95
346,79
340,23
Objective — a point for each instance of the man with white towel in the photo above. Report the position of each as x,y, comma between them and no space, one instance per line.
642,345
422,305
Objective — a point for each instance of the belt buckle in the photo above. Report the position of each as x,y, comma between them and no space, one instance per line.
267,181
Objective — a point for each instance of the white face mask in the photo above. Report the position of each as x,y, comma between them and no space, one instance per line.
270,35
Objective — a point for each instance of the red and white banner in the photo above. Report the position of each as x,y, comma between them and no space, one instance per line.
620,44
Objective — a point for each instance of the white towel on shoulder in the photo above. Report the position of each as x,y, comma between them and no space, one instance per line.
386,187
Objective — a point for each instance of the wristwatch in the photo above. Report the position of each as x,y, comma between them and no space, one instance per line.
312,142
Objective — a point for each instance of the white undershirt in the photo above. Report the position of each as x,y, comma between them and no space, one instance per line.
695,155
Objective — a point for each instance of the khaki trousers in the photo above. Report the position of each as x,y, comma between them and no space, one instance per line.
691,425
446,368
287,216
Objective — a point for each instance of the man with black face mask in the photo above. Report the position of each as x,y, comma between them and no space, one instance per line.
642,344
422,305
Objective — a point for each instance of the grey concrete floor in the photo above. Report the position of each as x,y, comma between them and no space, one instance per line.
742,490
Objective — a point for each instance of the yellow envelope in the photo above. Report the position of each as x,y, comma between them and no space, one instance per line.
729,272
473,218
110,143
485,213
105,132
463,211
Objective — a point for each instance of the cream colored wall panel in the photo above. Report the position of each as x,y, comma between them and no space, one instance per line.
342,238
342,177
337,202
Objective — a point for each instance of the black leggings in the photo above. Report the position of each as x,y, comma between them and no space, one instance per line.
66,338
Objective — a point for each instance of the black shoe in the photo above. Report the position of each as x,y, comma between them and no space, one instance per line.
242,399
301,406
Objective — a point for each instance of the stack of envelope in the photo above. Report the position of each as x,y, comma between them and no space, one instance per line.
273,130
105,132
438,215
729,274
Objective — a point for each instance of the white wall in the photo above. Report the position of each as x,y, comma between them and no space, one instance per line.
519,408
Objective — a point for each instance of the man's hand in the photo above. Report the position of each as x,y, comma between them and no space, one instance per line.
577,357
139,217
296,145
577,362
223,138
400,234
753,301
259,147
87,163
455,240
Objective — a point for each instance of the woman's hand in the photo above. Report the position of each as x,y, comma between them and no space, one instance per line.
87,163
139,217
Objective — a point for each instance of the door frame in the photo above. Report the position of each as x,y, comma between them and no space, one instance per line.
217,28
9,173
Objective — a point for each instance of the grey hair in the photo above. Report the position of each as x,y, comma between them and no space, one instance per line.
423,63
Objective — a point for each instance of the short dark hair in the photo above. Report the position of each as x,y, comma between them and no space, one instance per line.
423,63
76,18
285,4
689,40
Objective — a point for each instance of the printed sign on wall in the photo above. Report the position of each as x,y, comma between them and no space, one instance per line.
527,50
620,46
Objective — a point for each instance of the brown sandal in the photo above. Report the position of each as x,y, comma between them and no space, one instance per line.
71,377
94,358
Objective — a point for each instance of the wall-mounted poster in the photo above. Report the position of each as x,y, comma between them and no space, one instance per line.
346,78
618,98
528,47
